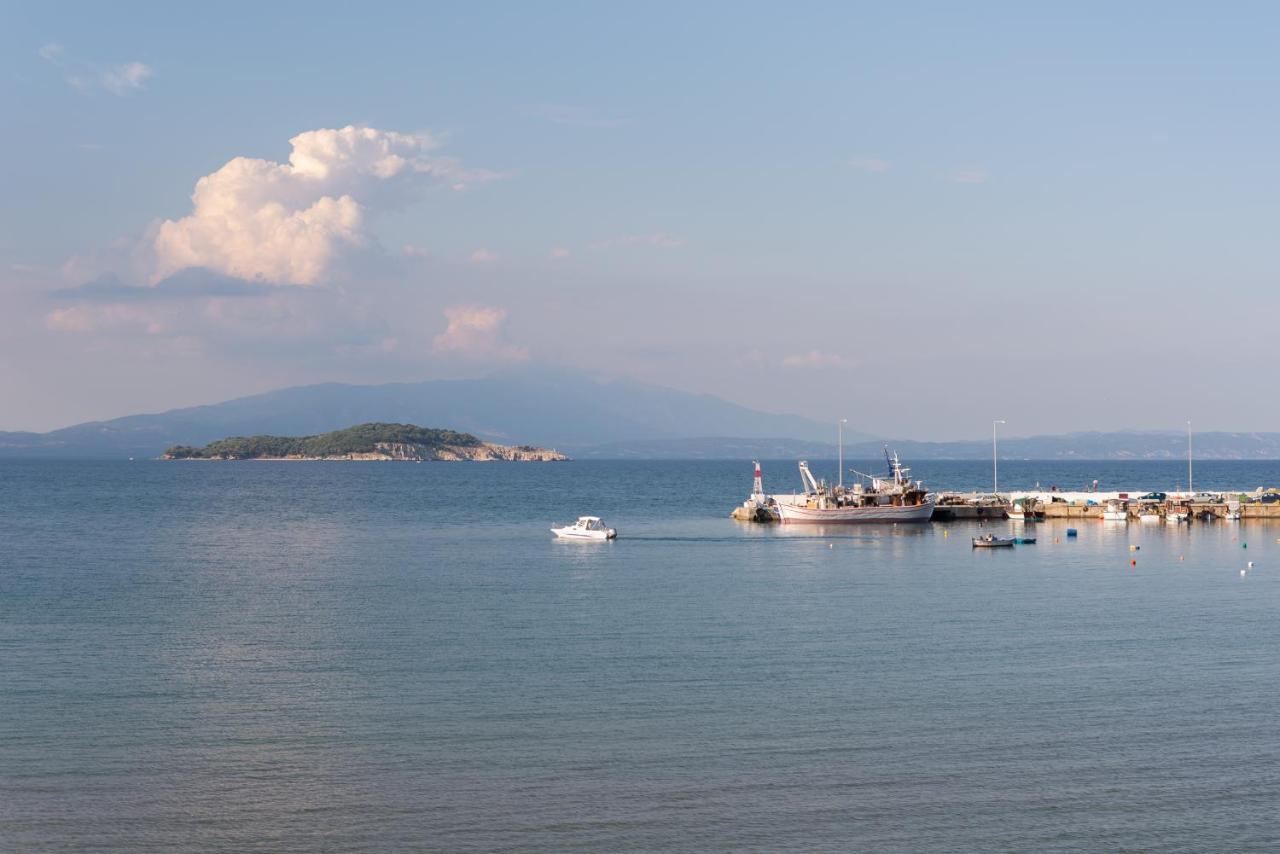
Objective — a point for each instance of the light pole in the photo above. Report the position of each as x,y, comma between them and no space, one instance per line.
1189,488
995,465
840,450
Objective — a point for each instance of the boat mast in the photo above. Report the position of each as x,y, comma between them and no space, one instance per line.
1189,488
840,452
995,464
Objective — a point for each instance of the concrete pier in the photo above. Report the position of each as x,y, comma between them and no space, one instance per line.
1052,505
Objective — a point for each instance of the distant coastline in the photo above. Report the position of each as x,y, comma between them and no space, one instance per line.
366,442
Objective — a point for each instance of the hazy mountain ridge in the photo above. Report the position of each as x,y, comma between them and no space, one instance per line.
564,410
588,419
1097,445
1119,445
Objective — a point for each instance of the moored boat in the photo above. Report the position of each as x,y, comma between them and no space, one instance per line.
1023,510
1115,510
991,541
895,498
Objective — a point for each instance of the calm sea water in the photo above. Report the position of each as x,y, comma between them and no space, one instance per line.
395,657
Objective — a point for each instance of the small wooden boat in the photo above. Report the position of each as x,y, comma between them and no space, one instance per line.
1025,541
991,541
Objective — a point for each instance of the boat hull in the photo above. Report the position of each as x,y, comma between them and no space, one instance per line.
793,515
568,534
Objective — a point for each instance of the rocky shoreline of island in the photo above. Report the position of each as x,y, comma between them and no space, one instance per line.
367,442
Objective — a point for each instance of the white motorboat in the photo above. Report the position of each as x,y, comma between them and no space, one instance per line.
1115,510
895,498
1233,512
1149,513
586,528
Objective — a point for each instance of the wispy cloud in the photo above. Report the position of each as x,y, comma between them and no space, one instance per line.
559,253
872,165
969,176
210,312
814,359
119,79
562,114
122,79
658,240
484,256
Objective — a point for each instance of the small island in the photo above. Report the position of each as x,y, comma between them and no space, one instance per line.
365,442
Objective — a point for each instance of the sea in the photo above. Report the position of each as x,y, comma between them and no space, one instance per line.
386,657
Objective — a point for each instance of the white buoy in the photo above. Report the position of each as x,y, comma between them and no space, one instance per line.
1251,564
1242,573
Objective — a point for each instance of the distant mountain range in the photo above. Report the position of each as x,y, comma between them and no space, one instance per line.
1122,445
584,417
1119,445
564,410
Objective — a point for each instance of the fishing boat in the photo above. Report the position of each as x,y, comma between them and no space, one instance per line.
895,498
1022,510
1149,513
1115,510
586,528
1177,512
991,541
1233,512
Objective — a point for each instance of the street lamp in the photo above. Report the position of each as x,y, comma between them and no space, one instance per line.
840,452
995,465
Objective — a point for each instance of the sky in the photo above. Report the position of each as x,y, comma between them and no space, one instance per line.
919,217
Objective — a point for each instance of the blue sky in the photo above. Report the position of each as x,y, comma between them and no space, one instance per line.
919,217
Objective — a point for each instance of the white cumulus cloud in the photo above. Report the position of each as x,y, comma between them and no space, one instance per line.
288,222
475,331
